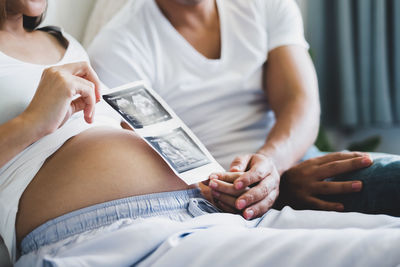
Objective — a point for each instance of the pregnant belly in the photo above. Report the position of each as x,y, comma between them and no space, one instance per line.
98,165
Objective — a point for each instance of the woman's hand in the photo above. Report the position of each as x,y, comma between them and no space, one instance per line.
63,91
302,185
251,187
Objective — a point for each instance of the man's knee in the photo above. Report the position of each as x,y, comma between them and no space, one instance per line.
381,187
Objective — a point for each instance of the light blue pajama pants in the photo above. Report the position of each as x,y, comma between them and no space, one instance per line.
182,229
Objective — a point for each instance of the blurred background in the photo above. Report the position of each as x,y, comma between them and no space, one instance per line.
355,45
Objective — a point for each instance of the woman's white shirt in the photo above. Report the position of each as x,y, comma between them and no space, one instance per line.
18,83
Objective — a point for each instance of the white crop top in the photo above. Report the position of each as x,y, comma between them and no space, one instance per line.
18,83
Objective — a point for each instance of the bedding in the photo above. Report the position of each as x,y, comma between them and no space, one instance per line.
280,238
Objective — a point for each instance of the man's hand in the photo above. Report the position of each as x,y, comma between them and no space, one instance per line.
302,184
251,187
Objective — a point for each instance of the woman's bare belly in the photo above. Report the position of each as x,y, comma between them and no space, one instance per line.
98,165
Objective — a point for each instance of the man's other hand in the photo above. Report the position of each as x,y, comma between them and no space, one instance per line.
303,184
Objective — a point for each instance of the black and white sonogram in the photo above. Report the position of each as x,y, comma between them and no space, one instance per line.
179,150
138,107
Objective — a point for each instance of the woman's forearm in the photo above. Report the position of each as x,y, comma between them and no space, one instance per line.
15,136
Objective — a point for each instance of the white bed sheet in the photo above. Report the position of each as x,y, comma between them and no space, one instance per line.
286,238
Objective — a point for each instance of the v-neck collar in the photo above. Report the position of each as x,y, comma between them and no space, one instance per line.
184,44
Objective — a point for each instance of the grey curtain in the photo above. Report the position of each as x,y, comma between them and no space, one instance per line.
355,45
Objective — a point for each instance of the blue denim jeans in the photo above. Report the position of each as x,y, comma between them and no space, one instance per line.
381,185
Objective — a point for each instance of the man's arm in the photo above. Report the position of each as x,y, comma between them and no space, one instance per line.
292,91
291,76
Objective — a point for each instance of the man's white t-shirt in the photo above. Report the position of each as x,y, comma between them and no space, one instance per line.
221,100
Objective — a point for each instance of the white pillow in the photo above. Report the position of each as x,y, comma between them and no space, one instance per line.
102,13
71,15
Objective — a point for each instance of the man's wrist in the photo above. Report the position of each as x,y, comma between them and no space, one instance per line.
271,153
268,153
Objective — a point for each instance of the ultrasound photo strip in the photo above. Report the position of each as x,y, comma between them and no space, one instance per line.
158,125
179,150
138,106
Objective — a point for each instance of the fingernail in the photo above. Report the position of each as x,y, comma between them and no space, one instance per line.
235,168
238,185
340,207
249,214
356,186
213,184
213,176
241,204
215,193
366,161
